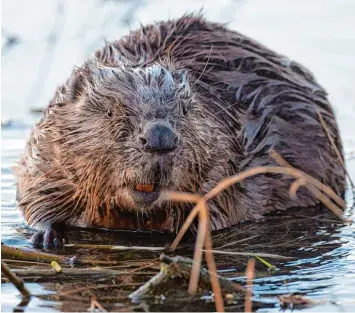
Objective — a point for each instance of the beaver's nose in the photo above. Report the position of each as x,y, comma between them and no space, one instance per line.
158,137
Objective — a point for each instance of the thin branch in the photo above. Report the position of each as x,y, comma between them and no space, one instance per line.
233,243
96,304
201,233
216,287
73,272
295,186
112,247
8,252
224,184
318,194
263,255
249,282
16,281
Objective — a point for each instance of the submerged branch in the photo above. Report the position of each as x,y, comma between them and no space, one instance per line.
16,281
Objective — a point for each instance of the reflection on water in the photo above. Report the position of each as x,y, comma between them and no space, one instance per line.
37,45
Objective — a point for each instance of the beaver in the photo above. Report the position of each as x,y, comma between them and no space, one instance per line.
176,105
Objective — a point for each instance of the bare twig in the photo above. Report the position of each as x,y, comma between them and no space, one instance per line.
309,179
201,233
264,255
24,262
200,208
233,243
224,184
96,304
21,254
216,287
77,290
17,282
182,197
249,283
302,179
189,198
295,186
75,273
21,307
112,247
31,255
325,200
318,194
69,272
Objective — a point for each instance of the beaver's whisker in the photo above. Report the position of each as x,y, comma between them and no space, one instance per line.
224,109
204,69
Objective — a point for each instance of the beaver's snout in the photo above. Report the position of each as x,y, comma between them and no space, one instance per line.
158,137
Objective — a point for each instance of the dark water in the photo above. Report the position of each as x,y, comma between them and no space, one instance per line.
44,39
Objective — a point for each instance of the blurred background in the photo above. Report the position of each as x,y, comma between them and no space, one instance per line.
43,39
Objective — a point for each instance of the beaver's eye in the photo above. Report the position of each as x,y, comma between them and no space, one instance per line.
108,113
185,107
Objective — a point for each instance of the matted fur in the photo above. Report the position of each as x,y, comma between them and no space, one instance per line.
229,99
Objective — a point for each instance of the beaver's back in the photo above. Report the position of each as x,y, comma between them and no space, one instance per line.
262,98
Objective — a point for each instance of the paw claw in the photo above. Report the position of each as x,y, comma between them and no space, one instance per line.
49,238
37,239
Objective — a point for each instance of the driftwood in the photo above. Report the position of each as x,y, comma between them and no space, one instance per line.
26,255
17,282
35,256
72,273
113,247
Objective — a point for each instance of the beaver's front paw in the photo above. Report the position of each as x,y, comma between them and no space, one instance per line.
50,238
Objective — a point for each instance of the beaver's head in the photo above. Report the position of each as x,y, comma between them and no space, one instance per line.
129,134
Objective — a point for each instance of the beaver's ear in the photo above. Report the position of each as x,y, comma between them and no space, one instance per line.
86,78
77,83
182,82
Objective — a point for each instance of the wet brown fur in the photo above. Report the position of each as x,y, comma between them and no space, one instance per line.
244,100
